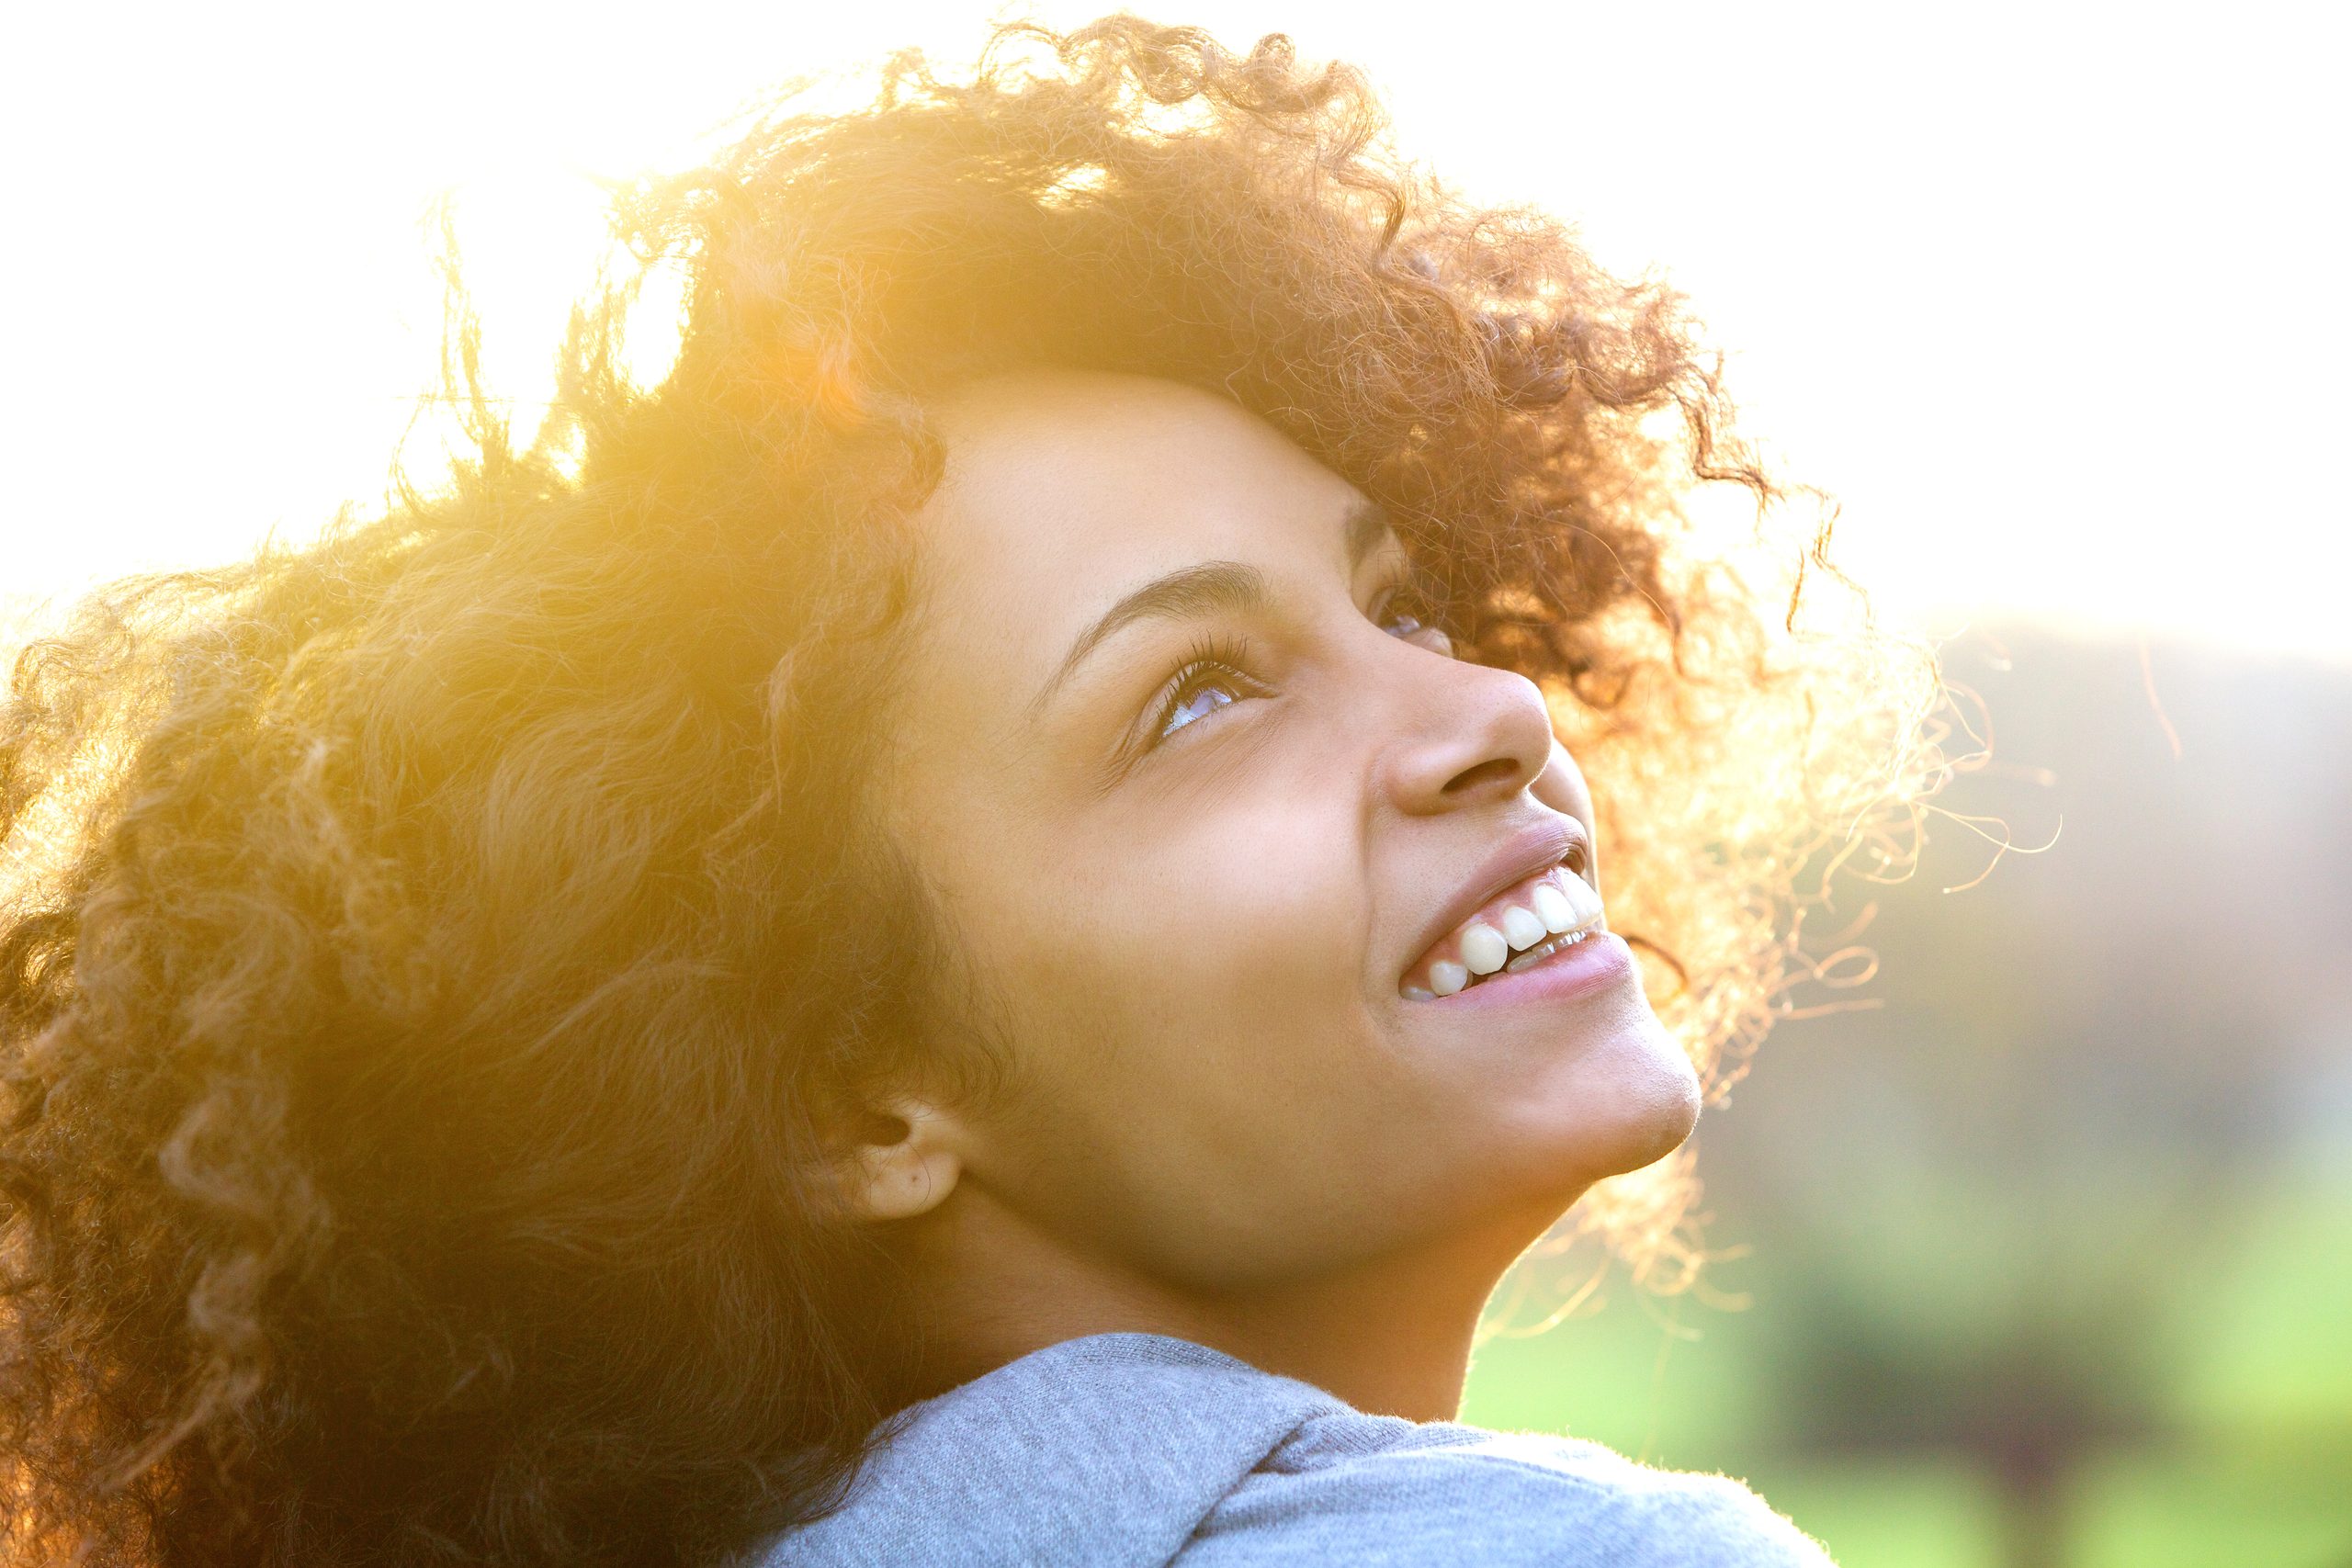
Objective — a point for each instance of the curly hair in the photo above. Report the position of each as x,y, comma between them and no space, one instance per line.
421,969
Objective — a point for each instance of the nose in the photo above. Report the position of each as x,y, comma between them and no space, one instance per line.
1467,735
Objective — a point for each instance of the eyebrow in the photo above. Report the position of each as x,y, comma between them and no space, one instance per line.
1228,587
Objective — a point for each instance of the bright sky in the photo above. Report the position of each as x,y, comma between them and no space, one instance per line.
2052,295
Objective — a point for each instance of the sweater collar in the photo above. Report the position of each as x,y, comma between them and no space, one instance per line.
1106,1450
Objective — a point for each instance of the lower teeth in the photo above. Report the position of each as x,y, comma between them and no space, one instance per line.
1527,960
1537,954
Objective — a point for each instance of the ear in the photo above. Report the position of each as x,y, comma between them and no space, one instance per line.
906,1161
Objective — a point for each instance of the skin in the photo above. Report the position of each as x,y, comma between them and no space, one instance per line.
1222,1121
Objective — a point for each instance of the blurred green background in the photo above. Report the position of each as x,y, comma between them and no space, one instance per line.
2046,1257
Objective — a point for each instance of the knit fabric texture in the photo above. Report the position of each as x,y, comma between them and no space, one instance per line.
1136,1450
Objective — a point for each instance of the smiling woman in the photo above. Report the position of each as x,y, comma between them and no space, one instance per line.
970,931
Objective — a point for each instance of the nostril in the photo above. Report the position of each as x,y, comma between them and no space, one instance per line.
1493,771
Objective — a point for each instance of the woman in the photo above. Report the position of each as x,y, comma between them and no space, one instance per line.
964,932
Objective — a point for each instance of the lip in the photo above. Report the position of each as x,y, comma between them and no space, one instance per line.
1599,961
1538,847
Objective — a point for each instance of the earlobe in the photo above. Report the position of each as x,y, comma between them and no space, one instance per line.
909,1175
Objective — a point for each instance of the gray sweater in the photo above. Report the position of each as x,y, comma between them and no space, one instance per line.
1122,1450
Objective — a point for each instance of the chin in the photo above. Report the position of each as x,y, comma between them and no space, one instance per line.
1670,1113
1633,1105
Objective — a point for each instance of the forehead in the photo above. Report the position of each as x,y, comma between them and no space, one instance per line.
1064,491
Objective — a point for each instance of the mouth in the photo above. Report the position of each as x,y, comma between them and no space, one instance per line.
1541,911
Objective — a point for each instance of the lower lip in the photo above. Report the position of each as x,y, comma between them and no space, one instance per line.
1598,962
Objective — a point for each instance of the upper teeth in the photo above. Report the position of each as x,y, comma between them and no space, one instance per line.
1549,905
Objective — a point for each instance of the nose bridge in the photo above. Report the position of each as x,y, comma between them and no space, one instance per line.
1459,733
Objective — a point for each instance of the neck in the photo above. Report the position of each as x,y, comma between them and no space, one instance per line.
1390,1335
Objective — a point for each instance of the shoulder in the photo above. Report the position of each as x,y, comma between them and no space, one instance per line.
1130,1451
1105,1450
1361,1489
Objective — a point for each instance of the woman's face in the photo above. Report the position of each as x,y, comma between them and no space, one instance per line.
1208,806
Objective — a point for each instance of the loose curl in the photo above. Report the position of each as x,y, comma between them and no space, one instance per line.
432,954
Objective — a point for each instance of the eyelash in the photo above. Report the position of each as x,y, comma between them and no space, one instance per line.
1220,656
1212,655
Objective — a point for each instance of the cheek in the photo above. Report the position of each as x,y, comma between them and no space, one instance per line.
1190,1025
1202,946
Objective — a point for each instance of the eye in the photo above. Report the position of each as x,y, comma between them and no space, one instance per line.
1212,678
1201,696
1406,612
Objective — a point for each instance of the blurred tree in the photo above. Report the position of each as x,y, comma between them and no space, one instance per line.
2026,1346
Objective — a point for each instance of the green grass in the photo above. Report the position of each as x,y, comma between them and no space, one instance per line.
1894,1514
2210,1510
2270,1331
